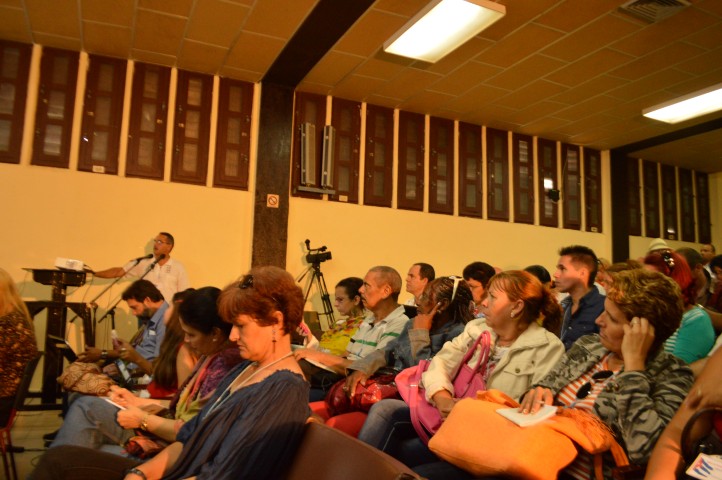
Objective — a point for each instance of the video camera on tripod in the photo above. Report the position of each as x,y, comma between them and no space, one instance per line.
317,255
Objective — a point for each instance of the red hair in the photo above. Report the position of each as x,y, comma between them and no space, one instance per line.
676,267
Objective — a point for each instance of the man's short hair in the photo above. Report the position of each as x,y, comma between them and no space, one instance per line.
426,271
583,255
711,246
170,238
479,271
142,289
692,256
391,276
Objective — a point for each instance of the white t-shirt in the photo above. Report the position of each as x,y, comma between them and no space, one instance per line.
169,278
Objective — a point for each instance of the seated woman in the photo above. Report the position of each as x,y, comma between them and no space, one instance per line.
92,422
666,461
522,353
349,304
253,423
695,336
17,342
445,307
623,375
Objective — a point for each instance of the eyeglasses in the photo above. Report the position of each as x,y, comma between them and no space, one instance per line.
586,389
456,285
157,241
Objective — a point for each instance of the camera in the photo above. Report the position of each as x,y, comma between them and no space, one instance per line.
317,255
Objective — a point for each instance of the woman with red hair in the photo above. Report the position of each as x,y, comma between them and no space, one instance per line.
695,336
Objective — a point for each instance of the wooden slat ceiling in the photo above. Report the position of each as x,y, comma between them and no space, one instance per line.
577,71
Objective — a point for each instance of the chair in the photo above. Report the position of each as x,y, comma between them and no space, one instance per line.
326,453
6,442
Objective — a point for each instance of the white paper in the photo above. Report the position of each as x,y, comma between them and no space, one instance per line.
527,419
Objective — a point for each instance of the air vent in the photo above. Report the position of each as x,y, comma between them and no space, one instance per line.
653,11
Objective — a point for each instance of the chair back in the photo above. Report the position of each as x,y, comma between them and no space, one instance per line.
326,453
24,385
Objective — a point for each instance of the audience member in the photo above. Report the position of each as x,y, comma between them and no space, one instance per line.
334,341
699,273
666,462
604,276
575,275
380,294
623,375
168,275
715,300
252,425
522,353
541,273
695,336
445,308
477,276
17,342
420,274
658,245
92,422
146,303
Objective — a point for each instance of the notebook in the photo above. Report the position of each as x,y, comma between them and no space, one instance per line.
526,420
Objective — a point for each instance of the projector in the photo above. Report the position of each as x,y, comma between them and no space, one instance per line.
69,264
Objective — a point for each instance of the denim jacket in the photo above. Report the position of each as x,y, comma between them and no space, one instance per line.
581,322
409,348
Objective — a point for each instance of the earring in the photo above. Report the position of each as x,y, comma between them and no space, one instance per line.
513,314
274,339
215,339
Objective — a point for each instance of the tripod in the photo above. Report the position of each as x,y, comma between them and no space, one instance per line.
317,277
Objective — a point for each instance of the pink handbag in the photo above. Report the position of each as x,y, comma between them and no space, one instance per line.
424,416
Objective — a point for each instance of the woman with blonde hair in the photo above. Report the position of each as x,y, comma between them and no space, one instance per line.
17,342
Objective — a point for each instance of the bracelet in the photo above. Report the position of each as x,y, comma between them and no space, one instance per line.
135,471
104,355
144,422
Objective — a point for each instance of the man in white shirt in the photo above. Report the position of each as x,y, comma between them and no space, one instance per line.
168,275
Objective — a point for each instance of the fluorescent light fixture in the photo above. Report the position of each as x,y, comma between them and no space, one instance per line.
689,106
441,27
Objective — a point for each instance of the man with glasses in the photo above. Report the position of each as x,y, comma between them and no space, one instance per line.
168,275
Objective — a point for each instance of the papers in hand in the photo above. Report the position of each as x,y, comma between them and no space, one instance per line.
525,420
107,399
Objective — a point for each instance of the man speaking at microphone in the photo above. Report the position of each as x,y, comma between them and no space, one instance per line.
167,274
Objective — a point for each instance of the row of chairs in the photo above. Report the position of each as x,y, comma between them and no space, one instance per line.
325,452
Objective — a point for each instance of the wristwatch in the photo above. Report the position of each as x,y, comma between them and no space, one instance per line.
104,355
135,471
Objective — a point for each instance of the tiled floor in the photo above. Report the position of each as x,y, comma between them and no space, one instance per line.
28,431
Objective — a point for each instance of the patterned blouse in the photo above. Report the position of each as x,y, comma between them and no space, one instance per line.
17,348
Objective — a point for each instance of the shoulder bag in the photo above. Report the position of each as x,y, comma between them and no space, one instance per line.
424,416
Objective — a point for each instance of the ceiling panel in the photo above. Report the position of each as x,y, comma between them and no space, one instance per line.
569,70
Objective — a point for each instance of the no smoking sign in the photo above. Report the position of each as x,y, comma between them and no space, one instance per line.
272,200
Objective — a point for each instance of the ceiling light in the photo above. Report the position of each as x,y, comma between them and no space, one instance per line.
441,27
689,106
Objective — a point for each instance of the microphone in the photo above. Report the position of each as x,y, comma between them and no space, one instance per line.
155,262
144,257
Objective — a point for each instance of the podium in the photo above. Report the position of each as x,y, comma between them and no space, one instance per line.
57,309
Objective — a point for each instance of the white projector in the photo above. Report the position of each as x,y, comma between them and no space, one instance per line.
69,264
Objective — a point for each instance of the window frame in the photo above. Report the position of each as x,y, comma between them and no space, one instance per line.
669,202
371,171
301,103
157,168
704,227
592,201
181,142
223,144
436,174
493,213
650,177
46,85
20,85
571,177
547,172
410,124
523,195
467,132
352,135
686,204
634,199
109,165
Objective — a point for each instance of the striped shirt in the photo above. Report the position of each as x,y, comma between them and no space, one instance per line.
370,336
582,467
